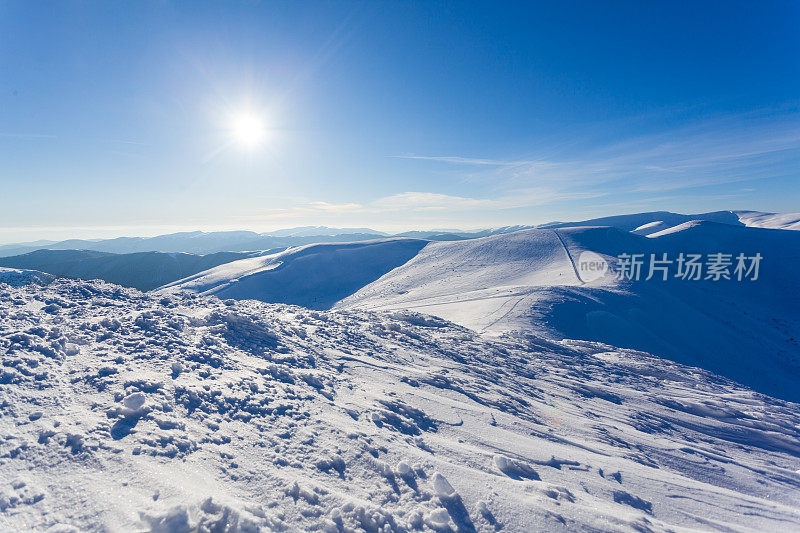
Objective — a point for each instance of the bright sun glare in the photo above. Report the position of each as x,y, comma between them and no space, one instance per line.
248,130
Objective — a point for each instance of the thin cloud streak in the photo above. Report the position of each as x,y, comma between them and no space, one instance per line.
464,160
713,153
416,201
27,136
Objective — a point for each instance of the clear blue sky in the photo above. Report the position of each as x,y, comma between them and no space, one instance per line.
115,117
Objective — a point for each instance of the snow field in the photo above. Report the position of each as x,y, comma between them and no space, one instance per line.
127,411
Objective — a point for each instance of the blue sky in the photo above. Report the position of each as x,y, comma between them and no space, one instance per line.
115,117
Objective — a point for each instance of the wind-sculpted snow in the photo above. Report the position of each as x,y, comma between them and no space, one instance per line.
790,221
660,219
647,223
125,411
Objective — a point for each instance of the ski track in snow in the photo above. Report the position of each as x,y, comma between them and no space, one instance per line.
123,411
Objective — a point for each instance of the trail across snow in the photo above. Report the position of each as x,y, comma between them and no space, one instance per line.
124,411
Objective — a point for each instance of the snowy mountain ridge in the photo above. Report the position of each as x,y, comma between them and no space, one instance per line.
527,281
200,242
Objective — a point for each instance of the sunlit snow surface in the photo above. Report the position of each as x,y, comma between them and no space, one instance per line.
123,411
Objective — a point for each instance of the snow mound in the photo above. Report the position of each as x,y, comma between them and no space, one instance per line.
16,277
477,282
124,411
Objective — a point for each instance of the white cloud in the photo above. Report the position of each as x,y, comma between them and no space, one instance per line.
514,199
429,200
462,160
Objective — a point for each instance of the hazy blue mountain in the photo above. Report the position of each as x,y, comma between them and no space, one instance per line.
195,242
141,270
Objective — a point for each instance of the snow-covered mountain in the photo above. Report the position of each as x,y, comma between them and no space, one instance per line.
124,411
527,281
652,222
315,276
770,220
633,222
199,242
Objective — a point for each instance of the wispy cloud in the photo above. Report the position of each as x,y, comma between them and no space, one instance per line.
646,172
26,136
464,160
416,202
519,199
715,152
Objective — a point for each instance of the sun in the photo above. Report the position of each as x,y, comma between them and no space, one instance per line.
248,130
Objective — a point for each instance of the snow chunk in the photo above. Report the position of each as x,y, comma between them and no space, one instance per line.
134,401
403,469
514,469
442,487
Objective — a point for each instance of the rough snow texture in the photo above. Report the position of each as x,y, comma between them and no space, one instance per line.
123,411
16,277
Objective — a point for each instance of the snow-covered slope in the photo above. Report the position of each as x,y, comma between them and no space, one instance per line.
314,276
476,283
124,411
665,219
770,220
655,221
526,281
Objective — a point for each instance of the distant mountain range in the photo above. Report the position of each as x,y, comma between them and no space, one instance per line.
149,262
199,242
